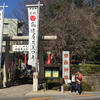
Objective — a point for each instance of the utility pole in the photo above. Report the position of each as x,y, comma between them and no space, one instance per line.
2,11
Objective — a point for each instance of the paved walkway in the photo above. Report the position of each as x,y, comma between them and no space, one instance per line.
26,90
41,92
13,91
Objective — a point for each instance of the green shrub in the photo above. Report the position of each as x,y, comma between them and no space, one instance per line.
86,86
85,68
74,68
54,85
66,88
55,88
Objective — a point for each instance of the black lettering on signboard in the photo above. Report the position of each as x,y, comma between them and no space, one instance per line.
34,13
31,13
33,37
26,48
32,57
32,47
18,48
33,42
21,48
15,48
32,30
33,25
32,52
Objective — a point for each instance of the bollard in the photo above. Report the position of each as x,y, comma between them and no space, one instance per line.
35,81
62,89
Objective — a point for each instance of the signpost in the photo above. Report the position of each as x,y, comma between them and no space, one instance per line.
1,35
65,68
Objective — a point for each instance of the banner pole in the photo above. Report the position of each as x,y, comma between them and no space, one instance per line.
1,38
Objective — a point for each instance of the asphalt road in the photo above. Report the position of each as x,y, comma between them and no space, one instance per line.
80,98
55,98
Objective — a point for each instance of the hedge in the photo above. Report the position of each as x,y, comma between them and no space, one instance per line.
85,68
53,85
85,87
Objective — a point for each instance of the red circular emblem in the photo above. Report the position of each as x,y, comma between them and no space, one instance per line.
0,19
32,18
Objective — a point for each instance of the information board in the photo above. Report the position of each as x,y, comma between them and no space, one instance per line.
55,73
20,47
52,73
48,73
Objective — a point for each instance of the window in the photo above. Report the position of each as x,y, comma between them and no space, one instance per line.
4,35
5,25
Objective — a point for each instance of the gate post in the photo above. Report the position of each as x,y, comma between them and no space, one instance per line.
5,70
40,60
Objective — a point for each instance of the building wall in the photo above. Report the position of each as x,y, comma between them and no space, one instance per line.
11,28
93,80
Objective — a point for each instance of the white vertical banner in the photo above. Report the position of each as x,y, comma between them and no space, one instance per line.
1,27
33,35
65,66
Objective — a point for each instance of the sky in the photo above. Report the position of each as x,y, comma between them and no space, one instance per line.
11,5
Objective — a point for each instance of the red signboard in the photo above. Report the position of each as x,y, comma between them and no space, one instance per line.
65,68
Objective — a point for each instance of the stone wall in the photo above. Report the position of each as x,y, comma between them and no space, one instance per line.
93,80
